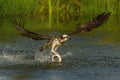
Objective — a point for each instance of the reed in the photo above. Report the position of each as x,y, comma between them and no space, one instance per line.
50,12
62,15
57,7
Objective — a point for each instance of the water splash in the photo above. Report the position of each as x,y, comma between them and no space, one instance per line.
42,57
6,57
67,54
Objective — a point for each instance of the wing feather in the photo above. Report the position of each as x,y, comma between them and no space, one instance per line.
93,23
37,36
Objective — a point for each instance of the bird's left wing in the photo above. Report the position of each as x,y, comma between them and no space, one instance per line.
93,23
19,25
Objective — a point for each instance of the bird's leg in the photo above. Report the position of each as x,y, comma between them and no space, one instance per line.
58,55
55,53
46,45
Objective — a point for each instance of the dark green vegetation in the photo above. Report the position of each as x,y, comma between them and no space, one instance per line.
59,8
61,15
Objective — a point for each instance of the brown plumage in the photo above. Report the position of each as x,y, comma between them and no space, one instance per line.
20,26
94,23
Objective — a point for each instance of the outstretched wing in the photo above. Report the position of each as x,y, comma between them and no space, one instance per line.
20,26
94,23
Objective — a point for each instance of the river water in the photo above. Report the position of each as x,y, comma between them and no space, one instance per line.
87,56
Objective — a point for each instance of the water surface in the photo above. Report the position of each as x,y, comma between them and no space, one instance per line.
87,56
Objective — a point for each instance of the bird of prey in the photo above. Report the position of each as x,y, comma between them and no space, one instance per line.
54,42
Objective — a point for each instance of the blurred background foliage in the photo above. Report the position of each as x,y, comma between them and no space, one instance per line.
61,15
59,8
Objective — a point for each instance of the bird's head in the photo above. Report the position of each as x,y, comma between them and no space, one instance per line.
64,37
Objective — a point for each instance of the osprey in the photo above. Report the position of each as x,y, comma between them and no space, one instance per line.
56,41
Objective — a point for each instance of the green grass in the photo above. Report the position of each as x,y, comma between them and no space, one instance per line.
59,8
96,6
60,13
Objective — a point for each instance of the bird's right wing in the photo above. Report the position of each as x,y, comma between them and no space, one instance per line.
19,25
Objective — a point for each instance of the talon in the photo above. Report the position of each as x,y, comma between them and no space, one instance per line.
56,55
